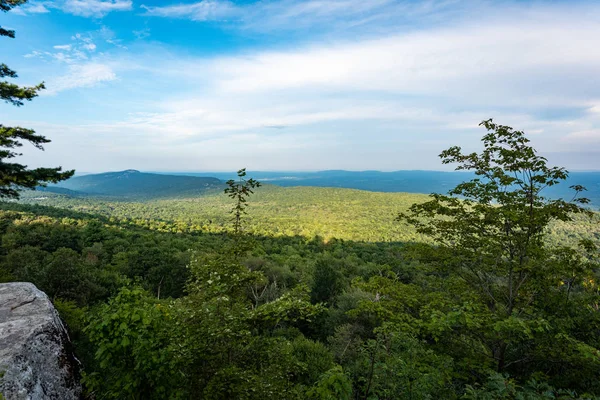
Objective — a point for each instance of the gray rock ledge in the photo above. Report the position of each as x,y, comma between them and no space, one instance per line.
36,361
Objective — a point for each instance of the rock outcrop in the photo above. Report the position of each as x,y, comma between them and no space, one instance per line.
36,361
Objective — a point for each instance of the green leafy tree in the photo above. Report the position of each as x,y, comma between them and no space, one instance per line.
15,176
396,366
332,385
131,334
327,281
491,233
229,344
500,387
239,191
211,344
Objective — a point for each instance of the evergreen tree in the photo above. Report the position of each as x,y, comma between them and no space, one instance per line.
15,176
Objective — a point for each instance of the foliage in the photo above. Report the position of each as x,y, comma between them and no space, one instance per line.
499,387
161,302
283,212
240,191
208,340
327,281
333,385
145,186
130,334
490,234
15,176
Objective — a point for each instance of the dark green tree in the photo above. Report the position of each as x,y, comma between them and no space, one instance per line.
327,283
15,176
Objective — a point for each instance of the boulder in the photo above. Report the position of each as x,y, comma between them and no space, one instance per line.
36,360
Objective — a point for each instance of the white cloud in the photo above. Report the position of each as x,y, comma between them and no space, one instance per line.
78,51
439,82
142,33
303,14
439,61
65,55
205,10
36,8
83,75
295,14
79,65
388,101
83,8
33,54
30,8
94,8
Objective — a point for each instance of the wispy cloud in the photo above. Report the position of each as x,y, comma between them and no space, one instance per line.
81,75
94,8
77,62
205,10
81,49
300,14
389,98
109,36
83,8
142,33
31,8
428,81
476,61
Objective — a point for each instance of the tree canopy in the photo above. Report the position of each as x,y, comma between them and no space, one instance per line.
490,236
482,297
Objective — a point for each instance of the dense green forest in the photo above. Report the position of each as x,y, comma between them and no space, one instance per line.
305,211
294,211
490,292
404,181
187,287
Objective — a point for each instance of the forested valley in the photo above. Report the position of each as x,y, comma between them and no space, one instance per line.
489,292
213,290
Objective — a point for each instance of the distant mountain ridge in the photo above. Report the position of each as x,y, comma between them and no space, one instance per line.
134,184
60,190
410,181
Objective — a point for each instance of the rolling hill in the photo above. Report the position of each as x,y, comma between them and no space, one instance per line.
134,184
406,181
347,214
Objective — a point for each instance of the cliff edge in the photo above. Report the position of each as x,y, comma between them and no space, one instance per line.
36,361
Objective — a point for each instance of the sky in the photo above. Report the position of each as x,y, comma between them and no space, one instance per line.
217,85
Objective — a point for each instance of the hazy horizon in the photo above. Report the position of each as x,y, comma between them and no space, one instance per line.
289,171
373,181
302,84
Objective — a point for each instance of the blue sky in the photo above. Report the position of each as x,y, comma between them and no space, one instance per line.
218,85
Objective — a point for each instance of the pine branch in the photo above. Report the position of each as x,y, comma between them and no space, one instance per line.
15,94
7,72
